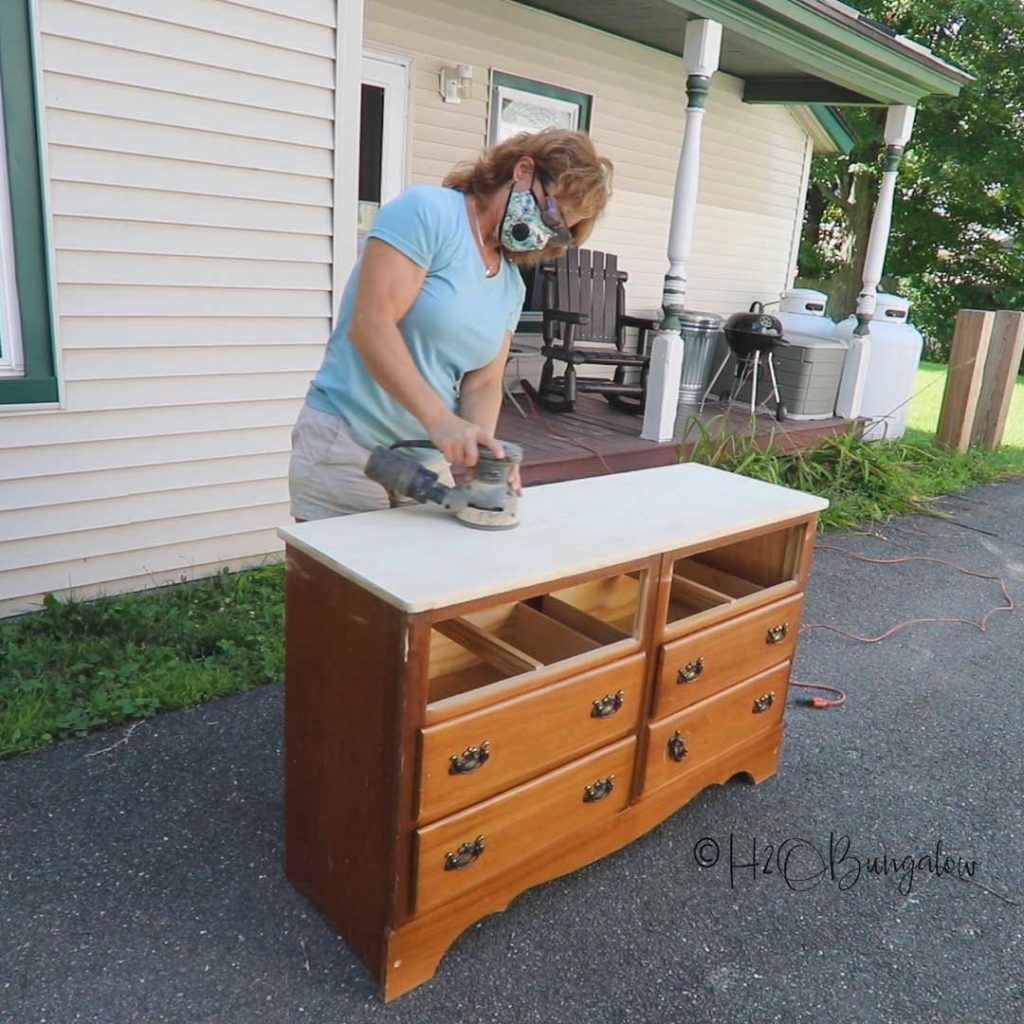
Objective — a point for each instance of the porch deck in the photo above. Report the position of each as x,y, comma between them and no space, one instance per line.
597,439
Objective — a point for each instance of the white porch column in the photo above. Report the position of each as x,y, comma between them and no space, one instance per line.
898,126
700,57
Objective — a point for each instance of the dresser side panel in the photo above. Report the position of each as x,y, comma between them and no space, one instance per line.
343,672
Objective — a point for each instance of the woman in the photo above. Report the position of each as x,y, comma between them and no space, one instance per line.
427,316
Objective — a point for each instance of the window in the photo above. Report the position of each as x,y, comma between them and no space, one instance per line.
27,372
523,105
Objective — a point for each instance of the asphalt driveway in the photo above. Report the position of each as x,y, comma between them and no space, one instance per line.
142,883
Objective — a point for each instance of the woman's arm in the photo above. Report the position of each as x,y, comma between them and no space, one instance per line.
480,392
480,397
388,285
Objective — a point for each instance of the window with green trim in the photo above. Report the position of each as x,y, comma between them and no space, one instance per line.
27,368
523,105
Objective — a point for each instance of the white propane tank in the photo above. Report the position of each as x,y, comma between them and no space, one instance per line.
880,369
802,312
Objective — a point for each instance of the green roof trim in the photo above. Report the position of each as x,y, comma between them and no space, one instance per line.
793,51
850,54
835,126
39,382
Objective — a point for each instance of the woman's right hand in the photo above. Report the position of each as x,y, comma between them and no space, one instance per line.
458,440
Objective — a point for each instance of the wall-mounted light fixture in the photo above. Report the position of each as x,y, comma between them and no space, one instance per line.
457,83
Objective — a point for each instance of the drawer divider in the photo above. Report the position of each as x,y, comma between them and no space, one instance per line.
691,592
581,622
492,649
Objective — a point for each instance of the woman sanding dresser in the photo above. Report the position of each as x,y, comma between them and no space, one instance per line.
427,316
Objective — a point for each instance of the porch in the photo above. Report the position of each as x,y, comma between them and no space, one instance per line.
597,438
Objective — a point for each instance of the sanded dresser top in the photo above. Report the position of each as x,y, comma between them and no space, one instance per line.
420,557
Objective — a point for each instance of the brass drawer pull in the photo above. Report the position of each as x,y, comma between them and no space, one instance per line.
777,634
469,760
690,671
599,790
607,705
764,702
677,746
466,855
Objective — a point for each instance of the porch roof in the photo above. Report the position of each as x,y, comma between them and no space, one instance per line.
808,52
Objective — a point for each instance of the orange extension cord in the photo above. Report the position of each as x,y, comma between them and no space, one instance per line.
981,624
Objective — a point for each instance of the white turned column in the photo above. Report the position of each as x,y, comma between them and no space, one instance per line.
898,125
700,57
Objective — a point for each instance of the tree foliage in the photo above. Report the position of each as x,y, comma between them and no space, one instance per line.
958,221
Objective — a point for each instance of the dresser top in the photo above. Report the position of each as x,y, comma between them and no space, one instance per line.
421,557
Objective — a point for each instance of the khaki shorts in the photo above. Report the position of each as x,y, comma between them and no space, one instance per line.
325,474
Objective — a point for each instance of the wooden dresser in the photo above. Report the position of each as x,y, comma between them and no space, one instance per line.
468,714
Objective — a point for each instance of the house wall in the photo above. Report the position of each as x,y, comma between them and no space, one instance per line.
191,159
753,157
198,221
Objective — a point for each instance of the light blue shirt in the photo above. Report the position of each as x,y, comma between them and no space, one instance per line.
457,323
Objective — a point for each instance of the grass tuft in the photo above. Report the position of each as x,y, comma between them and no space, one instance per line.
871,481
74,667
863,481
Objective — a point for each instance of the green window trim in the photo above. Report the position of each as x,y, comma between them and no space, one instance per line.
39,382
554,92
836,127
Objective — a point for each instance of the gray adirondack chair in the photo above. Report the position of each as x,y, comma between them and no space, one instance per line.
584,324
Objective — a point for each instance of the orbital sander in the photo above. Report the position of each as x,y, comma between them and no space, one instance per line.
484,500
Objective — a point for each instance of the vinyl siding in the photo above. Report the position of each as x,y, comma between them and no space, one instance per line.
190,149
191,161
753,157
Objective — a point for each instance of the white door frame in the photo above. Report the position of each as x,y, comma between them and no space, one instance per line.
393,74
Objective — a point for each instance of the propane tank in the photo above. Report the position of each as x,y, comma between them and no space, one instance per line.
880,369
802,312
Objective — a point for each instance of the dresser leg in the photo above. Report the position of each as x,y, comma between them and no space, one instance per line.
414,951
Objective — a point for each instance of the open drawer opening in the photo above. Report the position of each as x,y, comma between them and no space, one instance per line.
487,646
731,572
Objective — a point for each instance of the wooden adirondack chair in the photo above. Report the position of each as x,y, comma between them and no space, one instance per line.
585,323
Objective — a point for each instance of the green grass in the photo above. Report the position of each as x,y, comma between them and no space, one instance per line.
76,666
923,416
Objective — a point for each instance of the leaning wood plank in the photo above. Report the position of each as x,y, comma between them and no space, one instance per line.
1004,355
494,651
963,382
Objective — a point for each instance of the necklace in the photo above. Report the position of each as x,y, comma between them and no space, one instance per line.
488,271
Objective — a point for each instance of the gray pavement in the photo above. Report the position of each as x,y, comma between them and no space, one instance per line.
144,884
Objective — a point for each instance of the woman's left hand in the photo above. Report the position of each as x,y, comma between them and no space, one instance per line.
515,480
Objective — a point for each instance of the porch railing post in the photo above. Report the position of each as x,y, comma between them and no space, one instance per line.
700,57
898,125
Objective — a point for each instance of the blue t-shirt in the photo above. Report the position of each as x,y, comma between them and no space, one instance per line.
457,323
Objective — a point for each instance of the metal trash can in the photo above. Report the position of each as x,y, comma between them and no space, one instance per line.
702,334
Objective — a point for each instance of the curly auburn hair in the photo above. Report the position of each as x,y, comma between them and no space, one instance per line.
568,167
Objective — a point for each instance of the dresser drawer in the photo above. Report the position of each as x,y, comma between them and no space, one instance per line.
477,755
461,852
689,738
713,659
